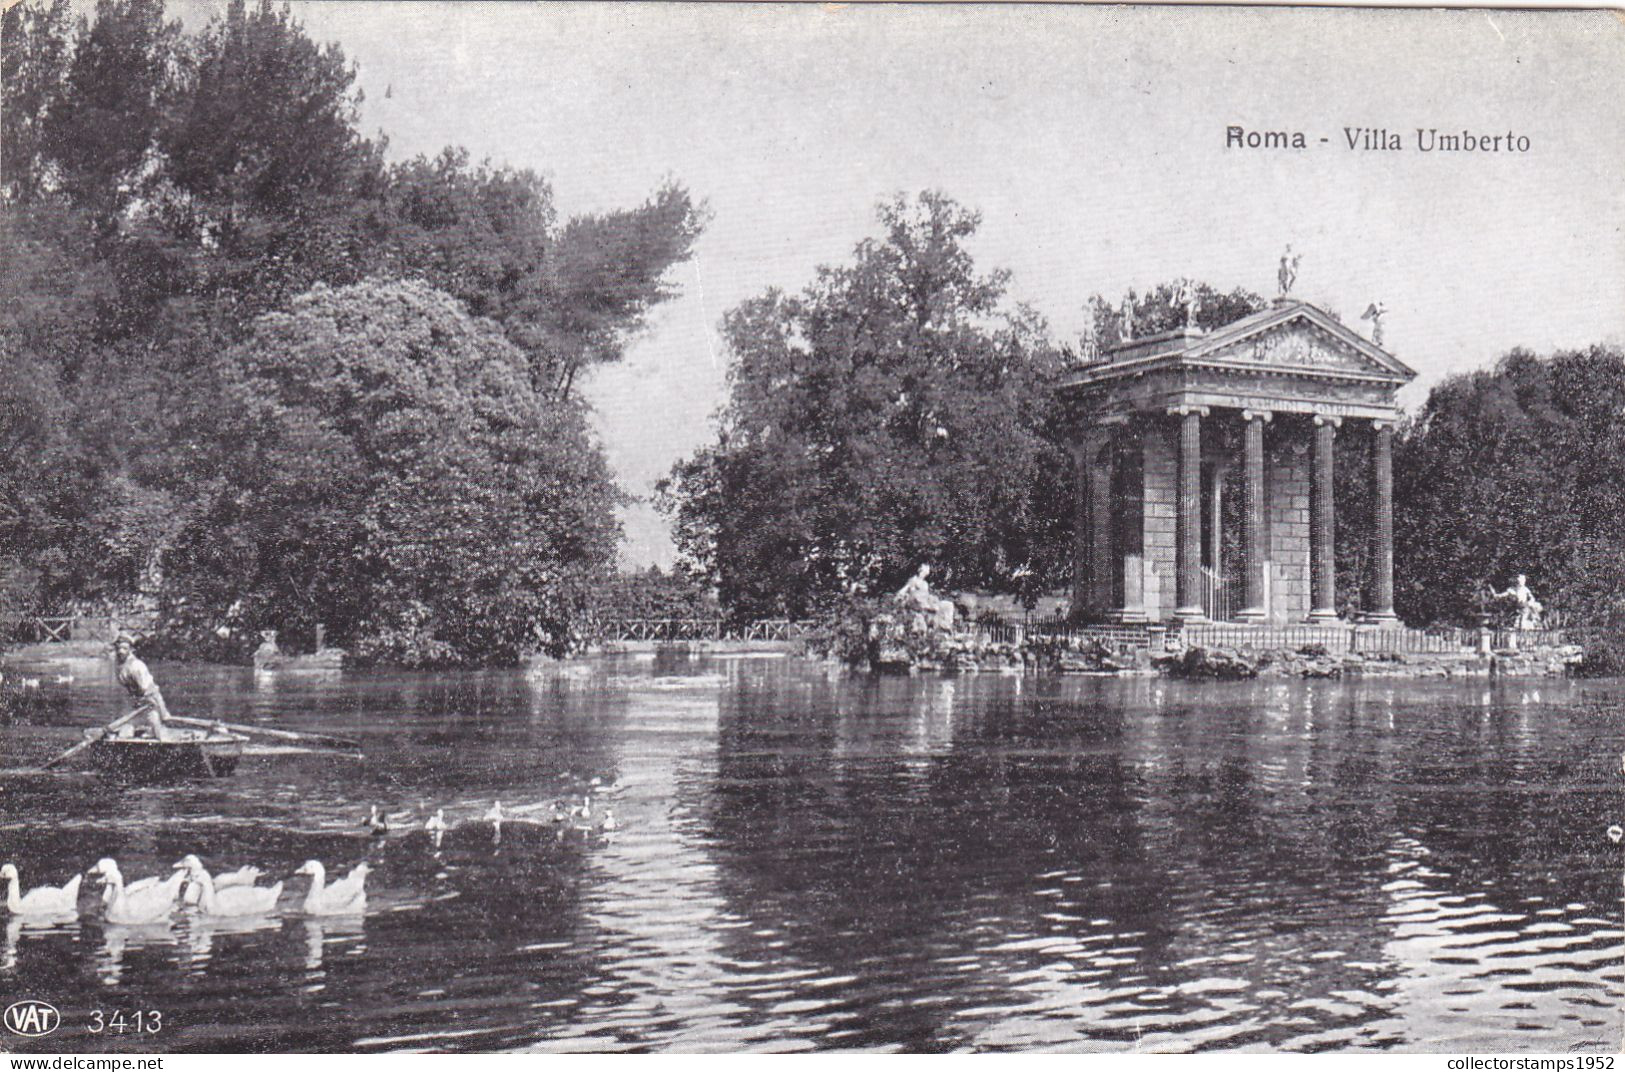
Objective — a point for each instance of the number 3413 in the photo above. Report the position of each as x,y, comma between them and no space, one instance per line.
140,1022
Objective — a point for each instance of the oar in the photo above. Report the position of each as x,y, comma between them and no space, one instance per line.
286,735
96,736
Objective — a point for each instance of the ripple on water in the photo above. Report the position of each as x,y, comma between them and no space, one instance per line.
813,861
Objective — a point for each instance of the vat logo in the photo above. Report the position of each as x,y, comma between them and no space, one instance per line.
34,1019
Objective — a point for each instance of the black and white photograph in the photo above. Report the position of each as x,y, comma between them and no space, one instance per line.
693,528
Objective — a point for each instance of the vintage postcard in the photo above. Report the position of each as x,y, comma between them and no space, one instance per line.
666,527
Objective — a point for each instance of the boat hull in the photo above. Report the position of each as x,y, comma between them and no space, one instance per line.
142,759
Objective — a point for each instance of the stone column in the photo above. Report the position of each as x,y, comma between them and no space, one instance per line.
1254,542
1128,523
1323,524
1382,524
1188,528
1082,565
1102,450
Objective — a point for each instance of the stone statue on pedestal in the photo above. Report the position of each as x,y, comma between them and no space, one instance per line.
1185,295
1529,608
926,611
1288,272
1374,313
1128,316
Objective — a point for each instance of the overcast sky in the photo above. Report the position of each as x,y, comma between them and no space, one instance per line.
1091,139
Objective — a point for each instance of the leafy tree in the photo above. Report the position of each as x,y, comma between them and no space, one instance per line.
1161,310
37,43
1516,469
162,191
569,296
401,482
654,593
100,133
888,415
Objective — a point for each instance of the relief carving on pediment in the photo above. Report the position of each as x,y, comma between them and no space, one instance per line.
1295,347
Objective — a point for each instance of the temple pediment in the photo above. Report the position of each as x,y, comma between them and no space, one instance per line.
1296,337
1290,340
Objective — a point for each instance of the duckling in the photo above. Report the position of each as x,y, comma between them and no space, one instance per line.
346,897
376,822
231,901
41,900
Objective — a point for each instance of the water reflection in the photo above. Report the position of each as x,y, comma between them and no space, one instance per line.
200,933
120,939
318,933
808,859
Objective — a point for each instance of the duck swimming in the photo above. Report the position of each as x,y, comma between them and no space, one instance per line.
41,900
346,897
240,900
146,901
376,822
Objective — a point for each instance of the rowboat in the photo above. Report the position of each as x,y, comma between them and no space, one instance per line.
189,754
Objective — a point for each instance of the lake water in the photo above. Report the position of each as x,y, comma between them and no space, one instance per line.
808,859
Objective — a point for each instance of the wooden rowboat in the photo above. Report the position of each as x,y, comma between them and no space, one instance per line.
192,754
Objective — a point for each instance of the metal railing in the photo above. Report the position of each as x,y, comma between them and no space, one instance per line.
1215,595
690,630
1341,638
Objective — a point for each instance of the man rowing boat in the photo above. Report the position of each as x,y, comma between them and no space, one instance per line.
138,682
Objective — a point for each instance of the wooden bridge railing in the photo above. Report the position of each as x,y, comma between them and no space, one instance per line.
57,628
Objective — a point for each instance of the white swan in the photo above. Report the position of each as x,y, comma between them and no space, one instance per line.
238,900
609,821
584,809
144,902
243,876
41,900
436,823
346,897
494,813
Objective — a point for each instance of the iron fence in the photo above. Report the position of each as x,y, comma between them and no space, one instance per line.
691,630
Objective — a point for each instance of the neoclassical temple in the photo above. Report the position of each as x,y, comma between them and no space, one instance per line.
1205,470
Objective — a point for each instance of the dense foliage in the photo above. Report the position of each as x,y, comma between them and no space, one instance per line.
160,193
654,593
888,415
399,479
1516,469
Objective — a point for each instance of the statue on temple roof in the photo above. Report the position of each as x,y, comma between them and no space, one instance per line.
1186,297
1374,313
1127,328
1288,272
